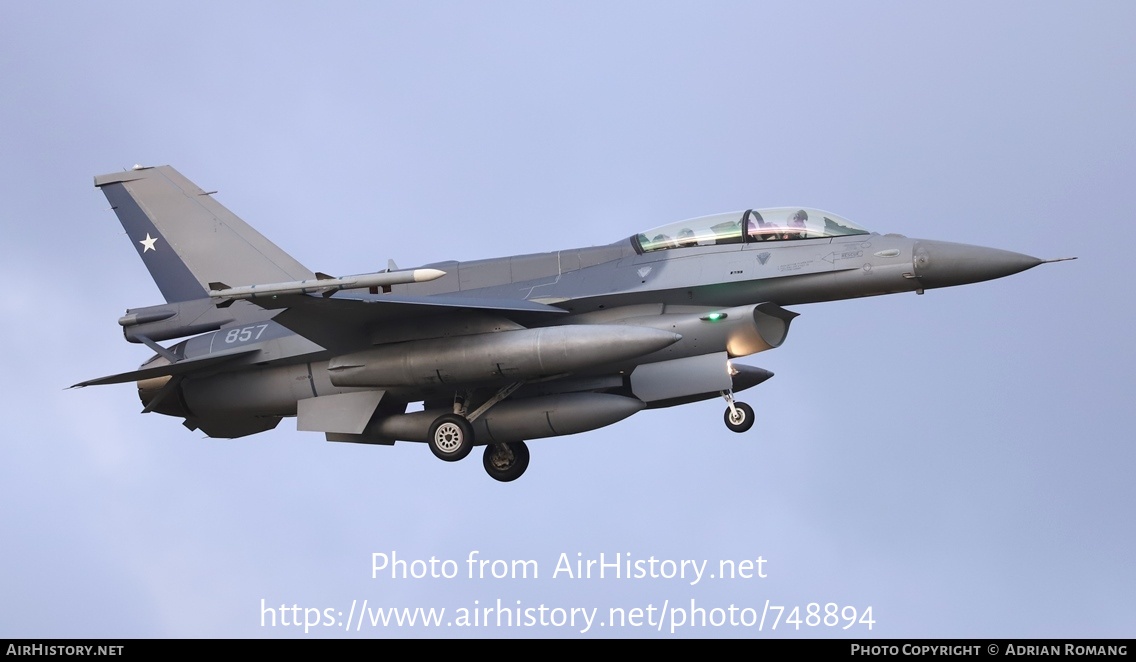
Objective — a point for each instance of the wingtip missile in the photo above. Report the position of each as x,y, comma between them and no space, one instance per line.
320,284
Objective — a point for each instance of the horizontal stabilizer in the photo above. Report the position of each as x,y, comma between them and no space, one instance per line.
169,369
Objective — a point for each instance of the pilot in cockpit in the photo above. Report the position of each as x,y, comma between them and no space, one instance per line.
759,230
797,222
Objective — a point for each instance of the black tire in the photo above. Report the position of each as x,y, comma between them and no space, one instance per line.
743,420
451,437
506,462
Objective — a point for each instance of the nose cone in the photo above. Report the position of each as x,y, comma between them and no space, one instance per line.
943,264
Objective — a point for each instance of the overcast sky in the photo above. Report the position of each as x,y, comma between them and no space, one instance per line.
960,462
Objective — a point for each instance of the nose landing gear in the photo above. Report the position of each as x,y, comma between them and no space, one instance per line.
739,415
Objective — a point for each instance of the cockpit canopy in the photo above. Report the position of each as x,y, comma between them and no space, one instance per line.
775,224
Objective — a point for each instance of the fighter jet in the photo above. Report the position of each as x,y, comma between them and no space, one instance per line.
497,351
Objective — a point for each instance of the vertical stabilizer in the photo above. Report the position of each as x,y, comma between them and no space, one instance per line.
187,239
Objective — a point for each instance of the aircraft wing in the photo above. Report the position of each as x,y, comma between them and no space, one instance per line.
169,369
343,319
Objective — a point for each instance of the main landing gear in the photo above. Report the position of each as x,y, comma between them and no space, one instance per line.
739,415
451,438
506,461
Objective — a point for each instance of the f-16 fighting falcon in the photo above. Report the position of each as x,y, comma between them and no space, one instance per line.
497,351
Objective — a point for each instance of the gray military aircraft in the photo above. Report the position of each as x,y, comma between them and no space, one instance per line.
497,351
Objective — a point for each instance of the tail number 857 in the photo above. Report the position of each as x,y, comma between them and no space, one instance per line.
245,334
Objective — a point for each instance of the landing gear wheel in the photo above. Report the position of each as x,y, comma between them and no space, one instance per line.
740,418
451,437
507,461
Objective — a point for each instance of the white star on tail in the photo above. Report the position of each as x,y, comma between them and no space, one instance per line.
148,243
